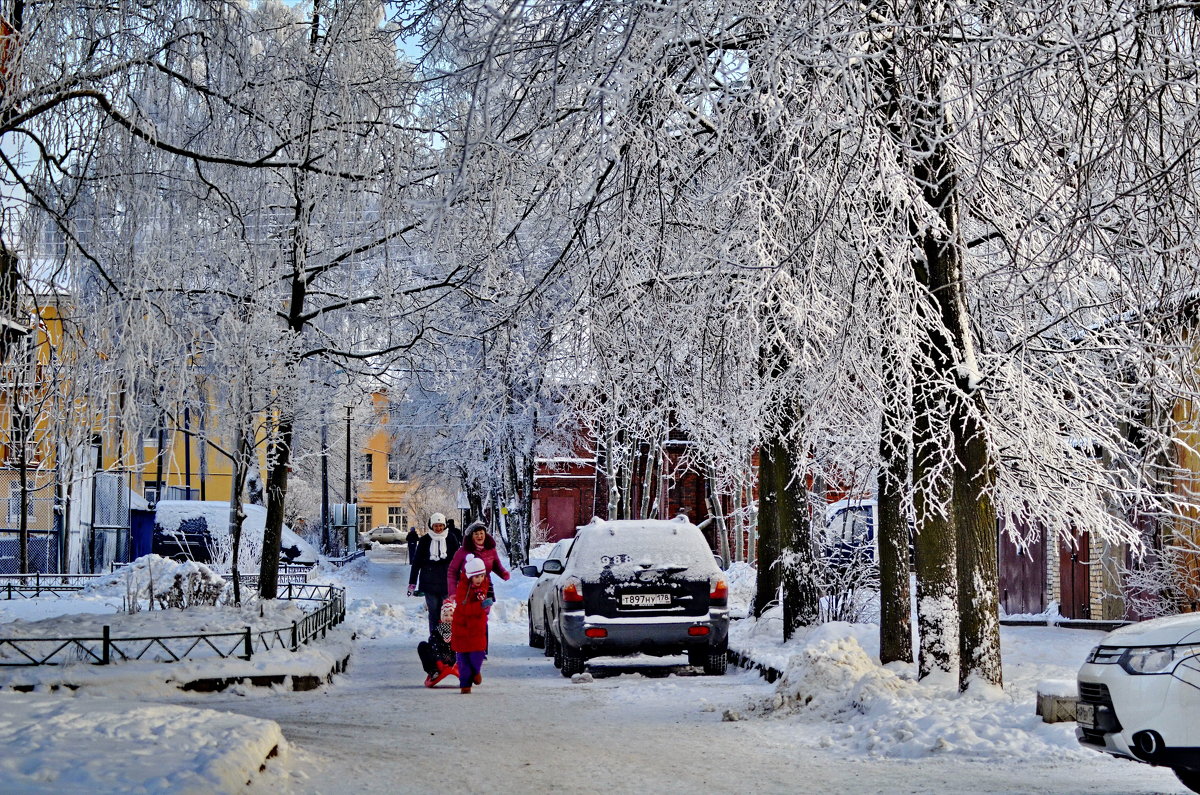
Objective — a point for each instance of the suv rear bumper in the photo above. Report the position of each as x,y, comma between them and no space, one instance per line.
656,635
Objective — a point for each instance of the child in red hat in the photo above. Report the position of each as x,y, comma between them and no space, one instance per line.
469,629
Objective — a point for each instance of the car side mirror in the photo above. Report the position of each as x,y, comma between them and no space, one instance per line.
531,571
552,567
720,562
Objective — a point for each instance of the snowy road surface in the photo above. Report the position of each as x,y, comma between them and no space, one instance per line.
527,729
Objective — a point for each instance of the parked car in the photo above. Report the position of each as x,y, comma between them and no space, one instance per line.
1139,695
542,589
384,534
638,586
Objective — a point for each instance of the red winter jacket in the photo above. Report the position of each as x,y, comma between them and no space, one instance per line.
488,554
469,628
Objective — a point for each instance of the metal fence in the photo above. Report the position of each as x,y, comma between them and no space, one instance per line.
110,539
105,648
342,561
42,549
35,497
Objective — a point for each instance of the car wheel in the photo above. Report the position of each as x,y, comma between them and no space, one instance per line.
548,649
572,661
716,662
536,641
1190,778
557,654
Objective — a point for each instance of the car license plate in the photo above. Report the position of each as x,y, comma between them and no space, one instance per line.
1085,715
645,599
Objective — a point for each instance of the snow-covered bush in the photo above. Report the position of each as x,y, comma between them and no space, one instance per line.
157,581
849,587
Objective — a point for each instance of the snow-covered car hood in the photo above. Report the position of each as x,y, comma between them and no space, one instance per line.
1168,631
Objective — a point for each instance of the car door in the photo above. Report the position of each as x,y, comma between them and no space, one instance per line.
544,586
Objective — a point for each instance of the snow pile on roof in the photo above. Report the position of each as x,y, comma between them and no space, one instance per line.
169,515
146,747
150,576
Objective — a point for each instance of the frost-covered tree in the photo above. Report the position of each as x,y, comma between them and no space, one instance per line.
923,211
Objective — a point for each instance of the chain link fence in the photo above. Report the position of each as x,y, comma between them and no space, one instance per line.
110,542
34,498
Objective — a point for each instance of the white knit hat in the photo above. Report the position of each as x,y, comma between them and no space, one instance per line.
437,518
473,566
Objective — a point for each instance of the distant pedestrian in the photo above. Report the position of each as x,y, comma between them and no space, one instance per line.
454,531
469,633
429,564
480,543
411,540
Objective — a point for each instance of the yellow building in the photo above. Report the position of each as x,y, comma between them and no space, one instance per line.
387,493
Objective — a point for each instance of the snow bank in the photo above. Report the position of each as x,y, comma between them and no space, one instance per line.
742,579
832,677
48,744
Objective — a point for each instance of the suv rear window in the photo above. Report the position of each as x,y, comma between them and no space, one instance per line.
657,543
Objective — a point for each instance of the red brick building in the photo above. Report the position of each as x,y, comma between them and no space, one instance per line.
570,490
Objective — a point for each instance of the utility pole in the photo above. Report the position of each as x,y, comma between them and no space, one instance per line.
187,453
349,486
324,484
349,456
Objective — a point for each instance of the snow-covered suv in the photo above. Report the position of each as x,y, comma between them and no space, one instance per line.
638,586
1139,695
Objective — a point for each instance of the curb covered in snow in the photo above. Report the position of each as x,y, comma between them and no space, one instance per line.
743,660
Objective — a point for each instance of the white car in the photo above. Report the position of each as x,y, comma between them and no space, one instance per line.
1139,695
542,589
385,534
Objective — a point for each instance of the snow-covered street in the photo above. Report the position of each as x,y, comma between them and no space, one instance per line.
377,729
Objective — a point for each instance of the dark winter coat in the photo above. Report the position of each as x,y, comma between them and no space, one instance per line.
411,540
487,553
430,575
469,627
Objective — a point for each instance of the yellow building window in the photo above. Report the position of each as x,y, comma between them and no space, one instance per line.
398,517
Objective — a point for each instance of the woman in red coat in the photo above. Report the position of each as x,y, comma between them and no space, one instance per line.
478,542
468,635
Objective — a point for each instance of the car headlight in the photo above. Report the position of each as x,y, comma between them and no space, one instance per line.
1155,659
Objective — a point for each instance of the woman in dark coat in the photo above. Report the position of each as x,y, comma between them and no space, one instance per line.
478,542
434,553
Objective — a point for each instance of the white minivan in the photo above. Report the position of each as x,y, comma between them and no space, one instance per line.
1139,695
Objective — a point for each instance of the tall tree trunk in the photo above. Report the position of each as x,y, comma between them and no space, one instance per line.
277,482
978,563
970,508
801,592
768,584
893,534
936,562
237,515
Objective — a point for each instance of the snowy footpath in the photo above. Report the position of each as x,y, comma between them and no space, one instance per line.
836,722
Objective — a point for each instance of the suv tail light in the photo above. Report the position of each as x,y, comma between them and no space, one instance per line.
718,590
572,591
